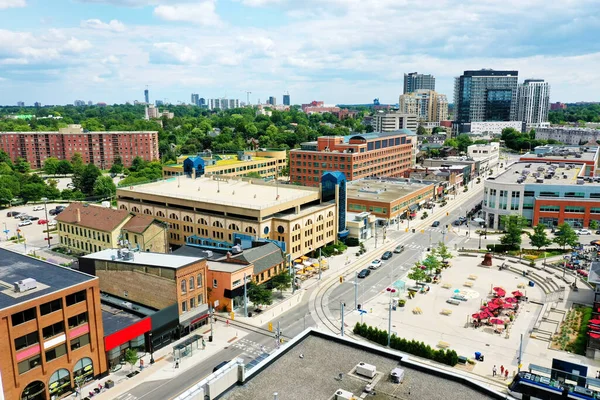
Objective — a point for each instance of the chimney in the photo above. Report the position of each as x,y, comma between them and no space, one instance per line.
78,215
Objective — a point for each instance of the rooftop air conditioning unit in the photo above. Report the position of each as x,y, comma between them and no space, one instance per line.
342,394
365,369
24,285
397,375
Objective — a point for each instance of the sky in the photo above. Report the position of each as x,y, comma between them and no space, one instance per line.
338,51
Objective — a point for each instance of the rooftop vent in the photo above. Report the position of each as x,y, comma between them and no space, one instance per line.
342,394
365,369
25,285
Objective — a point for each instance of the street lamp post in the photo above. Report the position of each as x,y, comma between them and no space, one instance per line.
152,348
45,200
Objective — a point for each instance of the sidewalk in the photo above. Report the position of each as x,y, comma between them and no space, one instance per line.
164,365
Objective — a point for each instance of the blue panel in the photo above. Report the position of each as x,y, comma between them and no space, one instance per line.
378,144
397,141
403,140
370,146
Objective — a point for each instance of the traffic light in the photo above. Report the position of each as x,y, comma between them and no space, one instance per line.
341,279
270,327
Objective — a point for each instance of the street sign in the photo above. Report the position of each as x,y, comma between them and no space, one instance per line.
361,312
216,304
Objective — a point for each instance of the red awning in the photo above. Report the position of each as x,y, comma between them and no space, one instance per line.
497,321
595,321
512,300
594,335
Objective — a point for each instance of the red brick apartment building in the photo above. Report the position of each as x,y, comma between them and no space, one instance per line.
51,328
99,148
358,156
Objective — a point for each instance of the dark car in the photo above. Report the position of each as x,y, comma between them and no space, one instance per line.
33,218
12,213
220,365
435,224
457,223
387,255
364,273
53,212
399,249
60,208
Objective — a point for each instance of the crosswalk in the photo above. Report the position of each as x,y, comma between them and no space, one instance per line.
251,348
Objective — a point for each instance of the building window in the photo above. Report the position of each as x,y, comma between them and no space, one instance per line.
80,341
573,209
51,306
214,283
191,283
183,306
183,286
200,299
199,281
192,303
75,298
56,352
23,316
53,330
29,364
78,320
26,341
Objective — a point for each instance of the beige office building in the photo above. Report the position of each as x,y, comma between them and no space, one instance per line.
215,208
427,105
394,121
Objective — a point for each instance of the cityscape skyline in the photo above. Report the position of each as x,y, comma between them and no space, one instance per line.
108,50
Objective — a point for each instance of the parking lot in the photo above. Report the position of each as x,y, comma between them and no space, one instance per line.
34,234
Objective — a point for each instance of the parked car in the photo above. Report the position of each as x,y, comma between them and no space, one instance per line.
42,221
582,272
38,208
399,249
364,273
25,223
53,212
456,223
33,218
19,215
598,232
435,224
70,186
595,243
52,223
12,213
584,232
60,208
387,255
375,264
220,365
23,217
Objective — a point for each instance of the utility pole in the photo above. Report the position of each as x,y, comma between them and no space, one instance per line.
342,311
320,263
375,234
356,290
245,297
390,321
520,353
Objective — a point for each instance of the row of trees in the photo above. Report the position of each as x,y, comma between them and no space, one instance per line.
576,113
260,295
565,235
431,264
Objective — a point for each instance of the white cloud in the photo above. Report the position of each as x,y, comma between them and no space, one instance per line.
175,53
4,4
260,3
113,25
112,59
201,13
77,45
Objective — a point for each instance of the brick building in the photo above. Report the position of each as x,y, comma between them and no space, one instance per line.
51,328
85,228
357,156
99,148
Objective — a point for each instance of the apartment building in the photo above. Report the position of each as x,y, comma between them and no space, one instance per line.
98,148
568,135
427,105
51,328
414,81
394,121
267,163
85,229
357,156
220,211
533,97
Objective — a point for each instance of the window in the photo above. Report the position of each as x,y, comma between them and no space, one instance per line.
199,281
53,330
78,320
75,298
183,286
236,283
595,210
80,341
548,194
192,303
191,283
215,283
574,194
550,208
200,299
26,341
574,209
56,352
183,306
51,306
29,364
23,316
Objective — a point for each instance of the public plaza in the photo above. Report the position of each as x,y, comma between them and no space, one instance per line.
435,318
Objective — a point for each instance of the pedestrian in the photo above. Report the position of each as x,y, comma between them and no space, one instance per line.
598,375
501,370
494,371
506,374
176,363
203,344
141,364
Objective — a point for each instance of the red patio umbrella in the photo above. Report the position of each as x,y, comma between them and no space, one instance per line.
489,313
507,305
511,300
595,321
594,335
476,316
493,306
497,321
517,293
594,328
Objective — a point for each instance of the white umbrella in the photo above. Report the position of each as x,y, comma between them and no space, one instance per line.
478,220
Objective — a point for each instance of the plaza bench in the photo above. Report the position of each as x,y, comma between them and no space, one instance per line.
447,286
453,302
417,310
445,311
443,345
473,277
468,284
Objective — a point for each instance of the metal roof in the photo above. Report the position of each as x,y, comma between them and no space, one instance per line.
145,258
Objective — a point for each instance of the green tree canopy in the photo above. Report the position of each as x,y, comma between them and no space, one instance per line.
104,187
281,281
539,238
259,295
64,167
417,274
88,178
513,226
566,236
51,165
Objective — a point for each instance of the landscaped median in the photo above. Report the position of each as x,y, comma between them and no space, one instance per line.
419,349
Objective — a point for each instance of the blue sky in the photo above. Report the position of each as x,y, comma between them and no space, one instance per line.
339,51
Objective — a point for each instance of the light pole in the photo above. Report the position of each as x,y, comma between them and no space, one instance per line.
392,291
245,297
152,347
45,200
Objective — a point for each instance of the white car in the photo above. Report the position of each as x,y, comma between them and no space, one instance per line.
375,264
51,223
25,223
584,232
38,208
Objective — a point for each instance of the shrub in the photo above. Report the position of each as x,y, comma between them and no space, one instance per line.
498,248
352,241
449,357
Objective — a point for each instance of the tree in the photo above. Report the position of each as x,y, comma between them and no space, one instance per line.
417,274
131,357
513,226
104,187
137,164
5,196
464,141
22,166
33,191
431,262
117,166
452,142
421,130
253,174
443,252
539,238
64,167
51,165
88,178
593,224
566,236
281,281
259,295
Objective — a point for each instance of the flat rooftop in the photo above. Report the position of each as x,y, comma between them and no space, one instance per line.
563,153
315,376
144,258
235,191
227,159
115,319
50,278
531,171
381,190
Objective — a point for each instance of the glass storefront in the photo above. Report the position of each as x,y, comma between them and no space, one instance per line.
60,383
